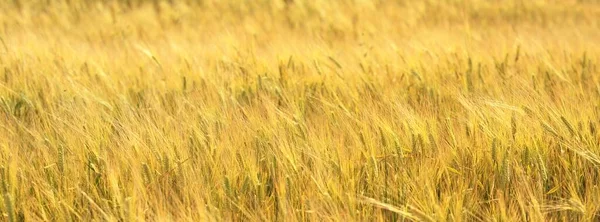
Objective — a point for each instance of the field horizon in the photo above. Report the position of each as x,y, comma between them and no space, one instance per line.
296,110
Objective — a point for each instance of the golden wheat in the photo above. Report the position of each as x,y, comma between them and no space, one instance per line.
296,110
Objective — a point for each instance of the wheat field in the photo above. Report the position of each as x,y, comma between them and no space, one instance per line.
300,110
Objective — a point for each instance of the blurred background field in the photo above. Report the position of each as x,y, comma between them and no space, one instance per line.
292,110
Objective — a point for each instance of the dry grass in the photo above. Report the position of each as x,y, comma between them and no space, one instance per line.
355,110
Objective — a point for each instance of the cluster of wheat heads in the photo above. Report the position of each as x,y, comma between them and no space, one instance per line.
334,110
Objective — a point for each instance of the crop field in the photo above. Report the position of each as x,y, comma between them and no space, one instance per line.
299,110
